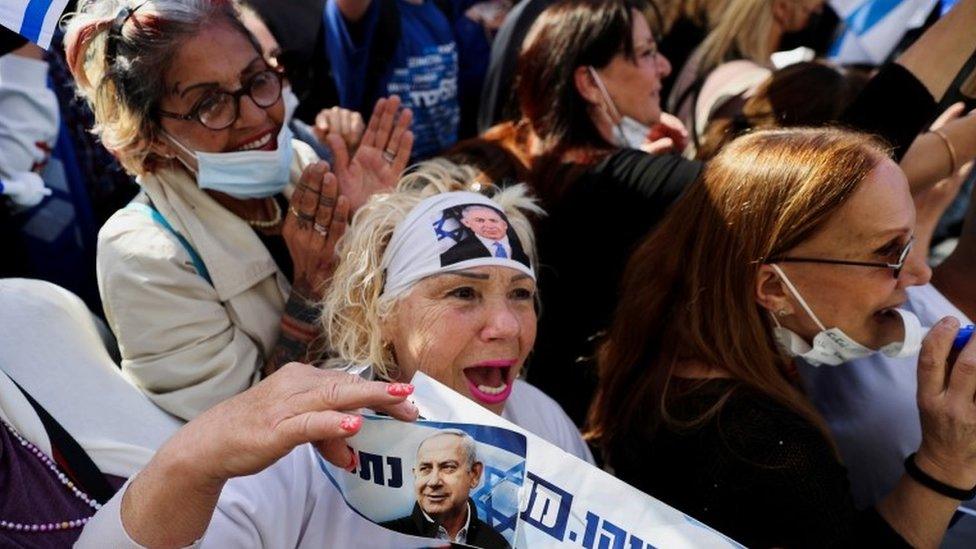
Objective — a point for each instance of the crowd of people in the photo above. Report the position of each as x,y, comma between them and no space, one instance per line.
655,246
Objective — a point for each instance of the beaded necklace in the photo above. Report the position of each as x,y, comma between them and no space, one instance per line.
275,219
49,526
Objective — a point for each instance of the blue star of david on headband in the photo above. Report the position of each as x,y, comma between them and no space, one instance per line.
442,233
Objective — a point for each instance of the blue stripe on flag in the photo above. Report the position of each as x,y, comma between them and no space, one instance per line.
947,5
34,16
863,18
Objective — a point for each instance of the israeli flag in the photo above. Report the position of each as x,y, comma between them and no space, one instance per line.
448,232
33,19
874,27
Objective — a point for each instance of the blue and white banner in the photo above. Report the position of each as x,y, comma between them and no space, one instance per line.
567,502
403,468
874,27
33,19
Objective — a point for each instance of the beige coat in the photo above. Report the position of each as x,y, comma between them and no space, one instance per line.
184,342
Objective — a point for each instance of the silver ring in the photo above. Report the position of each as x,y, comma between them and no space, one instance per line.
321,229
389,157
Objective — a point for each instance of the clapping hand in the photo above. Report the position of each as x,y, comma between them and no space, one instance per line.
381,157
317,218
345,123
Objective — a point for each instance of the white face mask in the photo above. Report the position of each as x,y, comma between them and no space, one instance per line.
833,347
627,132
248,174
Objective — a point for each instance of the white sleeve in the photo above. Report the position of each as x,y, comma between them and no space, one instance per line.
536,412
105,528
268,509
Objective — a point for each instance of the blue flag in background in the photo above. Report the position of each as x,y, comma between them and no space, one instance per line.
33,19
873,28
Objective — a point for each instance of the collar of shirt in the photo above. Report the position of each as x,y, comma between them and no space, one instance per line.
462,535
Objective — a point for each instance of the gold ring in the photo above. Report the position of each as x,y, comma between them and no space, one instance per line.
301,215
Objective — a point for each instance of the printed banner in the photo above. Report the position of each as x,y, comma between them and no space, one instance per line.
566,502
33,19
436,480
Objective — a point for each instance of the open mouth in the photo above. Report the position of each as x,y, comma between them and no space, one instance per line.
887,314
263,142
490,382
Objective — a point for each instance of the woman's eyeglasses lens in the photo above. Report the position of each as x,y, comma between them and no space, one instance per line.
220,110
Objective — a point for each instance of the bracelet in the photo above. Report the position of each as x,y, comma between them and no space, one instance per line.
952,151
937,486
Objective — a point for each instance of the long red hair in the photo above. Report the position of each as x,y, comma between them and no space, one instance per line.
689,289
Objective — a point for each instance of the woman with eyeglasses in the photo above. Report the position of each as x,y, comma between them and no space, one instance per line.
210,277
793,245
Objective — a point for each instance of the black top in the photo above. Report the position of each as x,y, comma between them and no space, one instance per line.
584,243
299,31
677,46
756,472
894,105
498,102
479,533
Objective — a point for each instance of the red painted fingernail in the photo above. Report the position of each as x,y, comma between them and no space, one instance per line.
351,423
354,462
400,389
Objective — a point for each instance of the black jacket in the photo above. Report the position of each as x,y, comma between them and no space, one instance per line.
470,247
479,533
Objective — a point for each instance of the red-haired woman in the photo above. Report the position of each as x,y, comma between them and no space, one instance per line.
588,80
794,244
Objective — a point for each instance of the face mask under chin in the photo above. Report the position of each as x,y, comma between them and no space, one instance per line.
833,347
246,174
627,132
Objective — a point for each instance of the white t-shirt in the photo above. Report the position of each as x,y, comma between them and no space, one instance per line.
291,504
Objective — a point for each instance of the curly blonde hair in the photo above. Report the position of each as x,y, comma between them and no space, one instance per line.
354,307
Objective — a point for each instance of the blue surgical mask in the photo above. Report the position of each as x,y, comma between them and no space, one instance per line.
248,174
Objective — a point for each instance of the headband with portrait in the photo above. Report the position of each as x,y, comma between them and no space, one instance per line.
449,232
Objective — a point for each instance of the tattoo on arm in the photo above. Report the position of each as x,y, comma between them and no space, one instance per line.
299,331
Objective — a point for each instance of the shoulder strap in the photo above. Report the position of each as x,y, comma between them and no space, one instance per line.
79,466
151,211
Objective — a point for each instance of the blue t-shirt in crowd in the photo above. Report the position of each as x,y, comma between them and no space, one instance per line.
423,69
